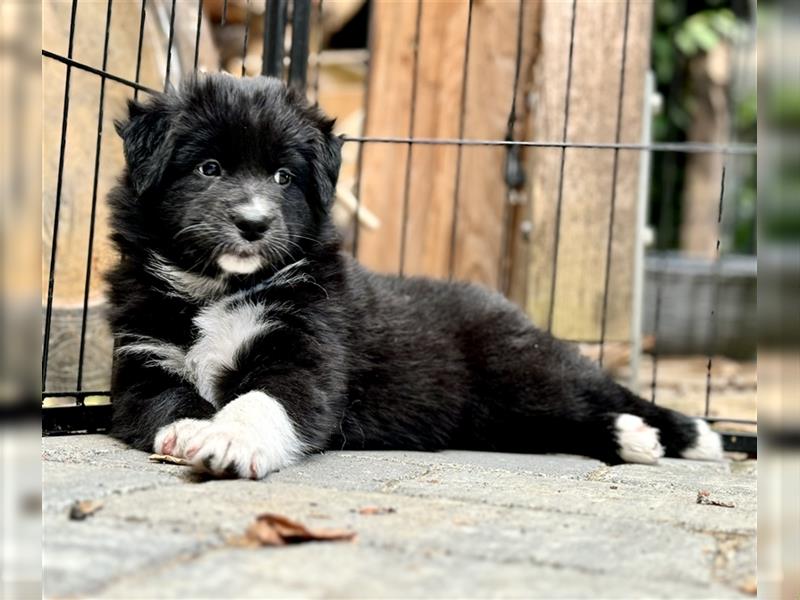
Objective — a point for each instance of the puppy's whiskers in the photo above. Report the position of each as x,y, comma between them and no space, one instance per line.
194,228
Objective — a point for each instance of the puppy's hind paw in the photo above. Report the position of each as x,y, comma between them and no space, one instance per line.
706,446
636,440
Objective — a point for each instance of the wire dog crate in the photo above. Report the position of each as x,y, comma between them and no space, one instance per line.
285,32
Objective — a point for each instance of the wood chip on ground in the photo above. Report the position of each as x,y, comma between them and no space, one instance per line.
376,510
704,497
166,458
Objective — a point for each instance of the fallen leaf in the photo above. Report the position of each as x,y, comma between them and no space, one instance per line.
81,509
704,497
276,530
166,458
376,510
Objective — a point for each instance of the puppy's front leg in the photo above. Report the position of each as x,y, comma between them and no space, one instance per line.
146,398
249,437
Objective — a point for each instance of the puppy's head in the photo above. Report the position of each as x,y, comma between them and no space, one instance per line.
228,176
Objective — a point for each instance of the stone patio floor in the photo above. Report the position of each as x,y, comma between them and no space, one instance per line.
456,525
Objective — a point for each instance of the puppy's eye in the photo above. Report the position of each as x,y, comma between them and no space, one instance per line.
282,177
209,168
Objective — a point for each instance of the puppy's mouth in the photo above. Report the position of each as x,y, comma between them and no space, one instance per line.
240,261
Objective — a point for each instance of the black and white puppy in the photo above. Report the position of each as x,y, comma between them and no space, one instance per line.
246,340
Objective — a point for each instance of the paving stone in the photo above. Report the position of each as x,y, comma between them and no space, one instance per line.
465,524
614,545
79,557
64,483
356,571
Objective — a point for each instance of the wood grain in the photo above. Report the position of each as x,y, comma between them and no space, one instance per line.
588,173
432,182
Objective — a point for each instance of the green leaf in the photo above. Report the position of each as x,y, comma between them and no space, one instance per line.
702,33
685,42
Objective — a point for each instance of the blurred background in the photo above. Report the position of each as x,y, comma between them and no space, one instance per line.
607,184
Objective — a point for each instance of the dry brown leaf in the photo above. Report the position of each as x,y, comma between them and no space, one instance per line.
166,458
81,509
704,497
376,510
272,529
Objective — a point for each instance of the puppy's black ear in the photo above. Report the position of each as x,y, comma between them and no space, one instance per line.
326,164
147,142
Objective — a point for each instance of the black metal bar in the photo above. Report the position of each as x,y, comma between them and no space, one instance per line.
75,394
656,324
364,124
712,336
514,176
224,18
560,196
409,155
104,74
666,194
318,65
615,178
301,31
682,147
740,442
63,420
93,218
169,46
274,26
142,18
459,152
246,36
512,112
57,208
197,35
725,420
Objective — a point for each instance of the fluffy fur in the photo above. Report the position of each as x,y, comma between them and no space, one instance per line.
245,338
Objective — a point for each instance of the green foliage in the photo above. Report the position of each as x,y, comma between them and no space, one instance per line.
684,29
784,107
746,115
702,31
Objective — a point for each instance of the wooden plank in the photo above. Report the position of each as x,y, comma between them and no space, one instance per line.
433,168
388,113
432,183
482,218
588,173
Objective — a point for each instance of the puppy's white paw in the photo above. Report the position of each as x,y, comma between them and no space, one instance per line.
637,441
229,449
250,437
707,446
173,439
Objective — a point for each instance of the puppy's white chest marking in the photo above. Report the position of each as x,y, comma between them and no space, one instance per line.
222,331
223,328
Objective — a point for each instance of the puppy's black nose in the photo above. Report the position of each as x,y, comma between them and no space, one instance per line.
252,229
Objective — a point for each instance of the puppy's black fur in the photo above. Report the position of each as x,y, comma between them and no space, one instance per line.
358,360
